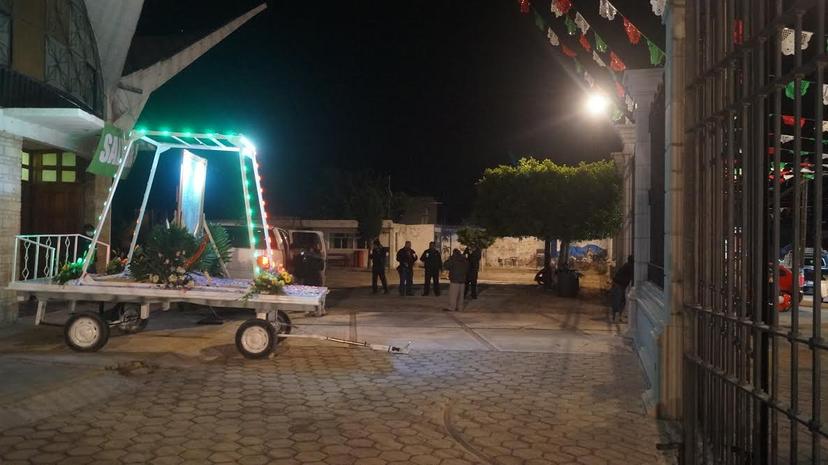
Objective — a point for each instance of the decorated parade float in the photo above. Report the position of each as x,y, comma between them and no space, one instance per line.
183,262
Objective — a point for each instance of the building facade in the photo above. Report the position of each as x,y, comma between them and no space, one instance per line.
61,80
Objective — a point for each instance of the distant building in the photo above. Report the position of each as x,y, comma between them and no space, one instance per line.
344,244
64,72
421,210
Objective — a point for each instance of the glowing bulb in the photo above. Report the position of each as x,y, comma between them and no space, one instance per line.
597,104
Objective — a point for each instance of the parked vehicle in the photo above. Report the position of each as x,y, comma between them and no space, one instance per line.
242,262
785,298
808,264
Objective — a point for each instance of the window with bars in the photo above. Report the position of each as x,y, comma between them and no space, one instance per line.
341,240
5,32
71,55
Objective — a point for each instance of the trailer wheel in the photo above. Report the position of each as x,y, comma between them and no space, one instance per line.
85,332
255,338
284,323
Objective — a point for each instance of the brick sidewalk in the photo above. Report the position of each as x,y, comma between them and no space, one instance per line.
349,406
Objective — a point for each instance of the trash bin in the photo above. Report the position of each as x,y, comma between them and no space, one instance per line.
360,259
568,283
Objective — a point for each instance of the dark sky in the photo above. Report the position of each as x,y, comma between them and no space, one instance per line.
430,93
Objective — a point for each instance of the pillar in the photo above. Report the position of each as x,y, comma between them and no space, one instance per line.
646,306
10,204
671,342
624,162
642,85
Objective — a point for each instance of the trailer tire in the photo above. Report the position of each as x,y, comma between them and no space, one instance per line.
256,338
85,332
284,322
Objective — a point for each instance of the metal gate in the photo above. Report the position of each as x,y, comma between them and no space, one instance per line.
755,374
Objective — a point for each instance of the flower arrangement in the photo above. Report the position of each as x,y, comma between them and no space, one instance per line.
69,271
267,282
116,265
165,257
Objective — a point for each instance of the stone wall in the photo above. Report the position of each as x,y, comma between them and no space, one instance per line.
514,252
10,191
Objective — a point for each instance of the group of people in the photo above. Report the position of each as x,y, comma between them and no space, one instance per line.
463,269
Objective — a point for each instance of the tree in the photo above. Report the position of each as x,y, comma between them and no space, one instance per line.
475,237
543,199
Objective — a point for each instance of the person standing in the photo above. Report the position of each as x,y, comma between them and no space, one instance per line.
433,264
458,268
406,257
377,256
473,255
620,281
314,267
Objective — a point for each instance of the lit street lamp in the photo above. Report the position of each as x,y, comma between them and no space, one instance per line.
597,104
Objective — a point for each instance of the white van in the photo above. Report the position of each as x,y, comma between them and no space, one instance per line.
284,244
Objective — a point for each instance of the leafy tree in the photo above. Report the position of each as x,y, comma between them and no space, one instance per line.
475,237
543,199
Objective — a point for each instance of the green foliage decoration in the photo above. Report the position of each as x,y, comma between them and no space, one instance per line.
164,258
209,261
116,265
475,238
69,271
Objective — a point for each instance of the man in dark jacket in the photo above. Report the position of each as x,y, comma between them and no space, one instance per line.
433,263
378,254
406,259
473,255
314,267
618,294
458,268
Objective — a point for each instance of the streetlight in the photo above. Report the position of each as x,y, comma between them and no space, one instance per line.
597,104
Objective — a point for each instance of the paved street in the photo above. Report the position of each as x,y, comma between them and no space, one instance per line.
520,377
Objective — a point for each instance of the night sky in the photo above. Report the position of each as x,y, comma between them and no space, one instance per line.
430,93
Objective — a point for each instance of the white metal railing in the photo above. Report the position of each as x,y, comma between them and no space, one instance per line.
38,256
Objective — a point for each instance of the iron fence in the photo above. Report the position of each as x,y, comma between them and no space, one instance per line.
753,370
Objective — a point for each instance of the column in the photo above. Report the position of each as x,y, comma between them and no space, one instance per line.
624,160
642,85
672,343
647,302
10,204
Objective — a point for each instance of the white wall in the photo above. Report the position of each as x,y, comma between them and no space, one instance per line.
419,235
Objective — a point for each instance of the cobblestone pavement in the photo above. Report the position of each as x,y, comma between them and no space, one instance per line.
519,377
348,406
